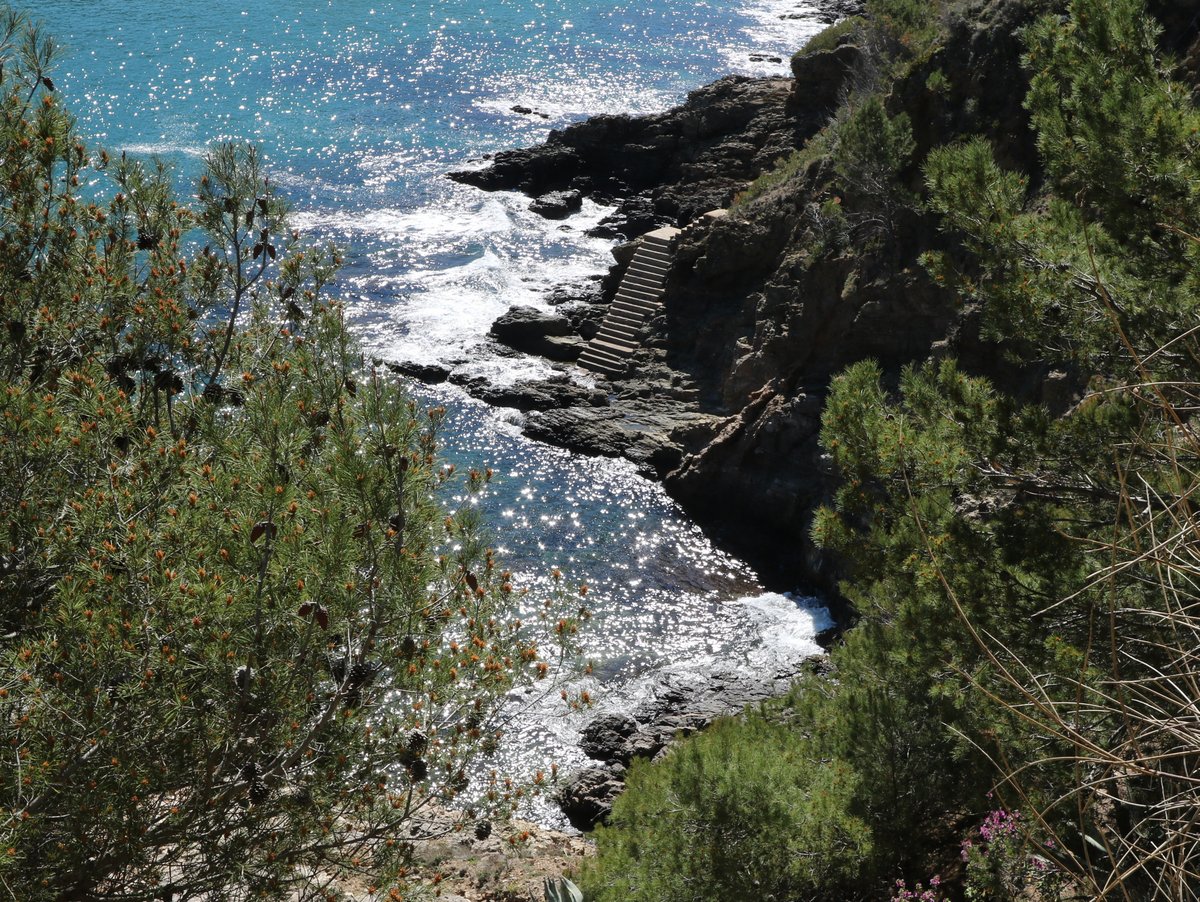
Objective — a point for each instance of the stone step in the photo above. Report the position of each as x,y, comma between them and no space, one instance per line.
626,323
615,346
608,333
652,257
604,356
626,345
639,291
637,299
632,306
653,242
654,267
645,275
646,272
638,296
659,268
638,284
642,312
603,364
622,324
652,280
640,306
603,369
628,319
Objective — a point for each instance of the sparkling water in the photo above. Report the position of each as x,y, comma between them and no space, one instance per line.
359,109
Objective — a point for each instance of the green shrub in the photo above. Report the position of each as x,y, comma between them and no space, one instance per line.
246,634
910,26
742,811
937,83
833,36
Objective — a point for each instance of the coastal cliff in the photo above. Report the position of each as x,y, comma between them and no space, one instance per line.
810,272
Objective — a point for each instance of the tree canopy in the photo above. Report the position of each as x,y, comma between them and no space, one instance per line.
246,630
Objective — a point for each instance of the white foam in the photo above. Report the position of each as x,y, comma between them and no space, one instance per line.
788,623
566,100
778,28
163,149
435,278
426,224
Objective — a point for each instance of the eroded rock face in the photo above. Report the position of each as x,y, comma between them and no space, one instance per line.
821,76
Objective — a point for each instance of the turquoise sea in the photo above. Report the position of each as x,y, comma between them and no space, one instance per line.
360,108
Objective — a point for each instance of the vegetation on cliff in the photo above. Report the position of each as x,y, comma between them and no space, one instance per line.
1014,710
249,627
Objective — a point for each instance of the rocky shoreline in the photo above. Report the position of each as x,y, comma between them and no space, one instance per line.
763,306
664,169
761,309
723,400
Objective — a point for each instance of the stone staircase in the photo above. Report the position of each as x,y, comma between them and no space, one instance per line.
637,300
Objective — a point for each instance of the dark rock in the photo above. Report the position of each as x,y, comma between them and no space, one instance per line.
520,321
821,77
528,329
472,384
587,796
605,737
654,431
624,253
564,349
585,292
548,394
557,204
836,10
588,431
678,704
429,373
634,216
